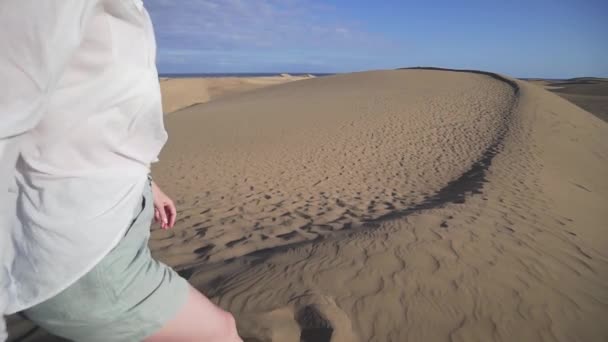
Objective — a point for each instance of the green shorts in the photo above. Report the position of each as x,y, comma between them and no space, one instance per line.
128,296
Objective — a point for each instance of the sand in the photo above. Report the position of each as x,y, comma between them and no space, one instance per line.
179,93
409,205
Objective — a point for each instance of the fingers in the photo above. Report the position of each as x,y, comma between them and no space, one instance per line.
163,218
171,213
165,212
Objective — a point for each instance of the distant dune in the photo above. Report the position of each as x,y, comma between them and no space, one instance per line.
179,93
406,205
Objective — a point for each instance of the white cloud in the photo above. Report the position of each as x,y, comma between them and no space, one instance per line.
221,30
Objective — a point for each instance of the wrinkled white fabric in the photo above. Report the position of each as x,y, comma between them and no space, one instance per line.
80,123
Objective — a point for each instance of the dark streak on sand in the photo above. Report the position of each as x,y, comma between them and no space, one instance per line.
471,181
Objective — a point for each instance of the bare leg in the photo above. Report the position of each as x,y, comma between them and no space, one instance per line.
198,320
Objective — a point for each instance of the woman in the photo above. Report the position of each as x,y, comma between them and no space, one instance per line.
80,124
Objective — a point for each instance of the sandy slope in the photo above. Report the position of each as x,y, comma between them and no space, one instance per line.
183,92
413,205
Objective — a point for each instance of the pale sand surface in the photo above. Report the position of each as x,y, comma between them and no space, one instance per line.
411,205
179,93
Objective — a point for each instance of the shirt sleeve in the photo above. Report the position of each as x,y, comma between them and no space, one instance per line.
37,40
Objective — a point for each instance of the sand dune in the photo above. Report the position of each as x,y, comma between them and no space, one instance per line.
523,258
409,205
179,93
292,169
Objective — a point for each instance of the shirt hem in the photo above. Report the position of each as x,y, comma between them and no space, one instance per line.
24,306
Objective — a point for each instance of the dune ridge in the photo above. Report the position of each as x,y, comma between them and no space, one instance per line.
298,176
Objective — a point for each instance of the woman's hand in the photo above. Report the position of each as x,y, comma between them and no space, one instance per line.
164,209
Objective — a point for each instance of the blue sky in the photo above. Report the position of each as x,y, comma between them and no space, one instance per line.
533,38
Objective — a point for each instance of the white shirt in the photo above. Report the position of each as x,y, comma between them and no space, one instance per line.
80,123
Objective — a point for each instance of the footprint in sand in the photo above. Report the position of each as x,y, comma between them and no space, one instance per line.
309,318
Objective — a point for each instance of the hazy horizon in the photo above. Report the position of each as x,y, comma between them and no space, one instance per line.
245,73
